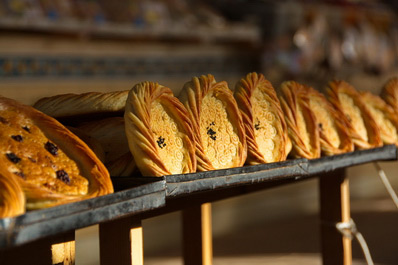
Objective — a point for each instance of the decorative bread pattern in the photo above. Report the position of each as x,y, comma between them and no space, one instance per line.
12,198
360,124
389,93
266,129
159,131
334,136
218,126
67,105
384,116
301,121
111,134
52,164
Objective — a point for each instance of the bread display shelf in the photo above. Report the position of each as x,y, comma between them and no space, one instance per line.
138,198
331,163
142,194
286,171
179,185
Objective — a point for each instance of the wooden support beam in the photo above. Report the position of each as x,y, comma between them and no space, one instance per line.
59,249
121,242
335,207
197,235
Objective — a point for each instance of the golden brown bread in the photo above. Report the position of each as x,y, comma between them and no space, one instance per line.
266,129
92,142
301,121
159,131
389,93
219,132
52,165
110,133
384,116
12,198
360,124
67,105
334,137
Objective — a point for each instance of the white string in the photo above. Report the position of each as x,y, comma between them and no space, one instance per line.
386,183
349,229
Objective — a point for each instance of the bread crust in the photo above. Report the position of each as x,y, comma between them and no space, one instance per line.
384,116
301,121
111,134
68,105
91,168
248,104
330,125
389,93
12,198
193,97
146,100
362,128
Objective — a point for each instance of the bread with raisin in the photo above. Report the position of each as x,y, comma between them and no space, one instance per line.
266,129
52,165
334,137
219,133
159,131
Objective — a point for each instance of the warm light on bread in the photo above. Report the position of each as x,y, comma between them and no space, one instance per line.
159,131
218,127
334,137
110,133
360,124
266,129
389,93
52,165
302,127
384,116
12,198
94,103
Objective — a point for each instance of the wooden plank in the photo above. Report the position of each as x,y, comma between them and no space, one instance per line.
121,242
59,249
335,207
197,235
63,253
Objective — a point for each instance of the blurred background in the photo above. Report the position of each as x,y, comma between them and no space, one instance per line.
50,47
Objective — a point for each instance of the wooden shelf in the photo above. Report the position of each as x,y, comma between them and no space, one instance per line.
246,33
138,198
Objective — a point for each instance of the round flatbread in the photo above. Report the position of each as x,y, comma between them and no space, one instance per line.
82,105
159,131
266,129
219,132
301,121
361,126
111,135
334,137
384,116
52,165
389,93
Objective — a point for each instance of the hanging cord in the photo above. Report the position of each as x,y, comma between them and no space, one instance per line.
386,183
349,229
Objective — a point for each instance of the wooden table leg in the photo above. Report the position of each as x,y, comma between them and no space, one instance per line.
335,207
59,249
197,235
121,242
